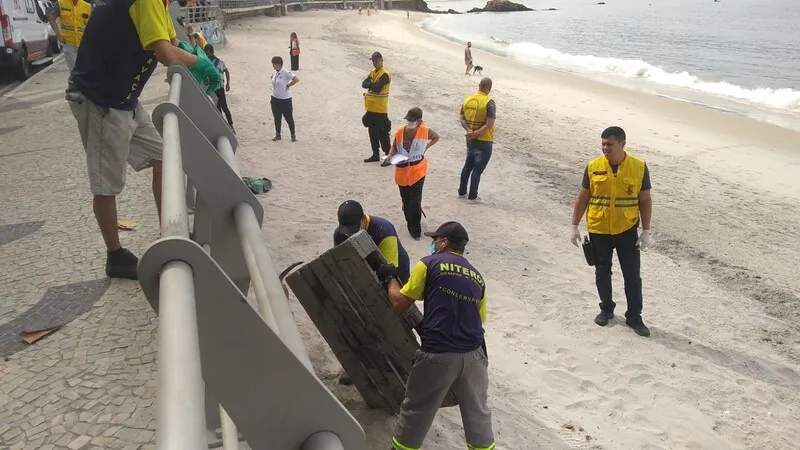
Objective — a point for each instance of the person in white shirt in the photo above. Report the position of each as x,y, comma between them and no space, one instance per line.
281,100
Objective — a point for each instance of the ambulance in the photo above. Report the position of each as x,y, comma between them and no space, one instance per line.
26,38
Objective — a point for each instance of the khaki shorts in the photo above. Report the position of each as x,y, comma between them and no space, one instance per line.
112,137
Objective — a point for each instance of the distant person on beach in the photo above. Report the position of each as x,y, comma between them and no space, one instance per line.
73,14
408,14
616,191
453,351
468,57
478,113
222,102
122,45
376,102
281,101
294,51
412,141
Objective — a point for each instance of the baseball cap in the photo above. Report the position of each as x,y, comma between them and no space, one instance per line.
414,114
376,55
452,231
350,214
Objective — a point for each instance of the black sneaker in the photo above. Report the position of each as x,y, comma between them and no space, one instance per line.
638,327
603,318
345,380
373,158
122,264
276,138
294,138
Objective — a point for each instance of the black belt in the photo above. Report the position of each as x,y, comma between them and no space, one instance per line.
409,163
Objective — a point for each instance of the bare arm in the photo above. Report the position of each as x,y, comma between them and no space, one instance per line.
581,203
294,81
433,138
393,151
227,77
645,208
487,126
167,53
399,301
57,29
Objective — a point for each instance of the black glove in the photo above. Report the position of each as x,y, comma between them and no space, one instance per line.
386,273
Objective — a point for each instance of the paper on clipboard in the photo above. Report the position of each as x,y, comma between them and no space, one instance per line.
398,158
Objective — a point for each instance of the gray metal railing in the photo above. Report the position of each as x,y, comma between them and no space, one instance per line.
212,341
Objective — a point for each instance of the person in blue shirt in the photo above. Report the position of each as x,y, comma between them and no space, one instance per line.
453,351
352,219
123,42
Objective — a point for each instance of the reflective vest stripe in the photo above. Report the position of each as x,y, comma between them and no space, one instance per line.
396,445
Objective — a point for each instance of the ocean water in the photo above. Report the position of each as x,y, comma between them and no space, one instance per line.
741,56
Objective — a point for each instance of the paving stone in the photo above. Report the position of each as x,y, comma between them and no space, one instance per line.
98,371
79,442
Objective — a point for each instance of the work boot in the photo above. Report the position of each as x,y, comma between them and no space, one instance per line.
373,158
276,138
638,326
122,264
294,138
603,318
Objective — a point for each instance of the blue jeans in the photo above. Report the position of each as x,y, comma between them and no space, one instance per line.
478,155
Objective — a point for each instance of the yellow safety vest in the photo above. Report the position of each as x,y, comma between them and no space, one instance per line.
474,108
378,102
614,200
73,20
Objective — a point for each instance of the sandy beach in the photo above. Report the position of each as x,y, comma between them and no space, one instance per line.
721,295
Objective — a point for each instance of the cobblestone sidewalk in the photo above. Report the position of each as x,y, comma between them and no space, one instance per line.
92,383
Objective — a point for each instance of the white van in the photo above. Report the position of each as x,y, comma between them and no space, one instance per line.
26,36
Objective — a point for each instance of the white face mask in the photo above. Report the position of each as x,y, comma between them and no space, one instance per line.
412,124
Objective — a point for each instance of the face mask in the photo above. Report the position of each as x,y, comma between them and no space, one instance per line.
433,247
411,125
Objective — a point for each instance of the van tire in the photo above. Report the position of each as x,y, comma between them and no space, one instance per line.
22,71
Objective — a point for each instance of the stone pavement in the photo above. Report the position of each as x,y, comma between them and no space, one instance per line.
92,383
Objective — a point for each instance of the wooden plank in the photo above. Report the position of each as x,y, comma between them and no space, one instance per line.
344,299
322,311
393,348
365,247
362,338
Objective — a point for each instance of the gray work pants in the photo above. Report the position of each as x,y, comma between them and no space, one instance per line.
431,376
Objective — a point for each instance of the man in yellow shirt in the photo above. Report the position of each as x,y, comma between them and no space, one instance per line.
478,113
453,351
376,102
73,14
615,195
123,42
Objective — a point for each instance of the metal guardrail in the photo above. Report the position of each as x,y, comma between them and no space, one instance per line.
250,358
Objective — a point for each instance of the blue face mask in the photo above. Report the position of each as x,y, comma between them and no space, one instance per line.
433,247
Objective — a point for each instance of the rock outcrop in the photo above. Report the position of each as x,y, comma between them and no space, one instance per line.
504,6
421,5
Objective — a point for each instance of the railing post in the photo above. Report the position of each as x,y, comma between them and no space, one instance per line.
180,414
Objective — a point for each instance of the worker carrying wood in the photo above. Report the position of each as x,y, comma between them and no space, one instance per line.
352,219
453,352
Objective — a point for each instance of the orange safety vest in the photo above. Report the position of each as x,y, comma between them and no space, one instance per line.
295,50
413,170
